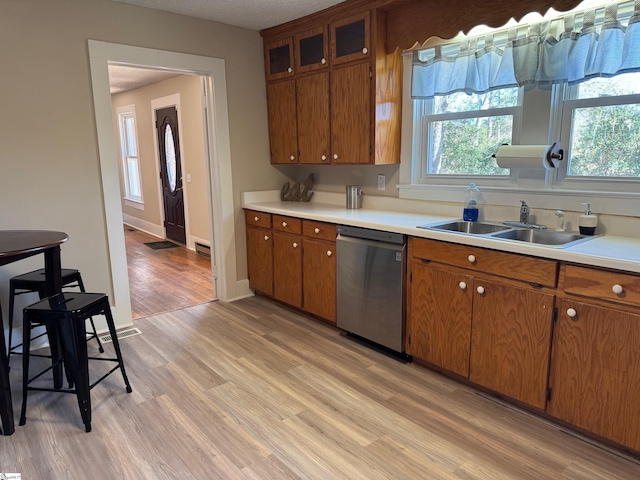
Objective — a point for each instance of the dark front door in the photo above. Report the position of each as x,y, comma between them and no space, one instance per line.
171,173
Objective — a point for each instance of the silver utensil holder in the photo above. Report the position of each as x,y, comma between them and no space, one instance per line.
354,196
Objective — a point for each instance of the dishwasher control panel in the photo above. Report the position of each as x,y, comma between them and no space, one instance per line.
358,232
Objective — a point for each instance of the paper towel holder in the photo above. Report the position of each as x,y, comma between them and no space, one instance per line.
553,156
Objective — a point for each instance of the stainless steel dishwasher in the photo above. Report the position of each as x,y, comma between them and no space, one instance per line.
370,284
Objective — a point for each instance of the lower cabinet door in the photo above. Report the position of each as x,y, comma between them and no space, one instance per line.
260,259
511,340
287,268
595,371
439,323
319,278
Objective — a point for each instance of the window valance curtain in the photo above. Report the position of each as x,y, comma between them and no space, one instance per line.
573,48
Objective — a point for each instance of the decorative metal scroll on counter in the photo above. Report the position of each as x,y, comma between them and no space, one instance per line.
296,192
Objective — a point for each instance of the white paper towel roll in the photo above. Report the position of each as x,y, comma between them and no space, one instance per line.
527,156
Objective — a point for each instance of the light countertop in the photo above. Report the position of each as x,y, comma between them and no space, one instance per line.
607,251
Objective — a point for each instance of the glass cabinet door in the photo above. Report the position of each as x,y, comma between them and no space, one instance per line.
279,59
311,50
350,39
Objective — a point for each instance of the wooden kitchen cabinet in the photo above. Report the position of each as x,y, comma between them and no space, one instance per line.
287,268
319,278
595,364
279,59
351,114
312,103
595,371
259,251
490,328
511,339
319,269
439,324
350,39
312,50
281,106
287,260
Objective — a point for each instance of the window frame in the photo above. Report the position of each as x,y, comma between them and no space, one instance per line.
421,154
124,113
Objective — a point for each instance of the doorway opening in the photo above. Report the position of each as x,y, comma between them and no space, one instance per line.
218,162
160,130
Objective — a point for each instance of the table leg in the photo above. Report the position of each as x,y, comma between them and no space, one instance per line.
6,407
53,285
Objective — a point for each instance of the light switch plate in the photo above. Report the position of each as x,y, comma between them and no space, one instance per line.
381,182
188,178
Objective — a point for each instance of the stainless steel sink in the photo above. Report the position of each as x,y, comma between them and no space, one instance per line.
543,237
474,228
500,231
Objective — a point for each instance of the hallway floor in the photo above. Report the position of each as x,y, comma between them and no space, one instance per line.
166,279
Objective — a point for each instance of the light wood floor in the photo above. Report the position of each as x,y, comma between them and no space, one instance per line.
250,390
166,279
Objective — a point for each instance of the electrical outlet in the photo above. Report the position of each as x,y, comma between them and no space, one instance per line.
381,182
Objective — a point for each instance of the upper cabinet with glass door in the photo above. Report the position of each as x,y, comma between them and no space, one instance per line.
350,39
312,50
279,59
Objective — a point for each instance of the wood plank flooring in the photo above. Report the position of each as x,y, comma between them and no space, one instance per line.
166,279
251,390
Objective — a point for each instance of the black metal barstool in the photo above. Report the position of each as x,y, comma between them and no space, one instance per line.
34,282
64,315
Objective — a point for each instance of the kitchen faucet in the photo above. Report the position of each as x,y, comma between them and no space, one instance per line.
524,218
524,212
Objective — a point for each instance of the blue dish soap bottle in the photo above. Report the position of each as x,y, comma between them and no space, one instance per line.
471,197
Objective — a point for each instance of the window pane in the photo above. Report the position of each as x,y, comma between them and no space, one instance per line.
605,141
626,84
465,146
134,178
130,135
462,102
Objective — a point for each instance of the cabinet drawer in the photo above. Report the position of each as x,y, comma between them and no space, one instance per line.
325,231
257,219
601,284
510,265
287,224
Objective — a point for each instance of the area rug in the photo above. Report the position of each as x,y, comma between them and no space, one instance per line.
163,244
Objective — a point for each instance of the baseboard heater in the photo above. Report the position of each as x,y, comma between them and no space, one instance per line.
203,249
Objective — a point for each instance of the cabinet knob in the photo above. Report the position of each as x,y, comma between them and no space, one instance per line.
323,61
617,289
462,285
295,245
317,230
571,312
284,224
290,70
335,156
292,158
255,219
266,237
471,258
324,158
480,290
329,253
365,51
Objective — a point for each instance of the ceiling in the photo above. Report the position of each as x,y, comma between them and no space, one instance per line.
252,14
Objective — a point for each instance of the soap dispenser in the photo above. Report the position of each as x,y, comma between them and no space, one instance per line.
588,221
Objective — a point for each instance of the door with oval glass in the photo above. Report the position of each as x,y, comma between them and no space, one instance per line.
171,173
